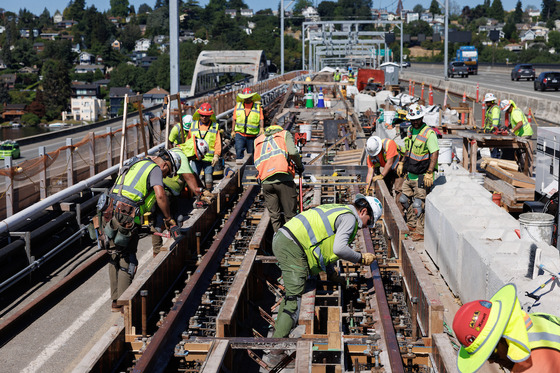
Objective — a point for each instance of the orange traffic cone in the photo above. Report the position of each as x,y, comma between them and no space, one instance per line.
431,96
464,101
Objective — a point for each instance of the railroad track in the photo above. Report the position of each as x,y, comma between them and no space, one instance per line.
208,302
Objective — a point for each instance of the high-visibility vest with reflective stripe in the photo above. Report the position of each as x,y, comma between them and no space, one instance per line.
544,332
271,155
175,134
517,115
337,77
314,229
383,153
210,138
248,124
492,117
418,155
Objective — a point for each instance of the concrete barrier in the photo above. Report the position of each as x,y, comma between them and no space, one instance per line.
548,110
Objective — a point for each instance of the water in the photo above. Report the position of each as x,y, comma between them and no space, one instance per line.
9,133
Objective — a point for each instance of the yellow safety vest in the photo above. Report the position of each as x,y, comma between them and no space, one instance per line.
418,155
314,230
209,136
248,124
337,77
517,116
492,119
175,134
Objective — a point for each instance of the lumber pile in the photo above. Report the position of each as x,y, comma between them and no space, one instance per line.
503,177
349,157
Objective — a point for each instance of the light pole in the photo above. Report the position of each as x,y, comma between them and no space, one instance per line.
446,34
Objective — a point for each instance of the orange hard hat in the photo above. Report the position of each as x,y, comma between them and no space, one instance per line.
205,109
247,91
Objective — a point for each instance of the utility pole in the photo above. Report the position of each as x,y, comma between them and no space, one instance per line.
174,46
282,37
446,57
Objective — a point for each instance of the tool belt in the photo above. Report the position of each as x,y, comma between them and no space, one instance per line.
118,222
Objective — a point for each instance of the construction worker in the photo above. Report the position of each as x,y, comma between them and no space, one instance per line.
249,122
192,149
420,161
206,127
492,116
337,75
499,331
276,160
382,153
176,136
137,188
520,126
312,242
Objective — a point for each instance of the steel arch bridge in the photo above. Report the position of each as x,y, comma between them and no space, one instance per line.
210,65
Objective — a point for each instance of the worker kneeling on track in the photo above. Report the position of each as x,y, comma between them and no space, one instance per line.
499,331
275,156
420,161
138,186
185,183
383,153
312,242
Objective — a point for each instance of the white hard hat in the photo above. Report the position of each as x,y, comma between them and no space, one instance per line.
489,97
374,205
172,158
505,104
187,118
337,69
415,111
201,148
373,146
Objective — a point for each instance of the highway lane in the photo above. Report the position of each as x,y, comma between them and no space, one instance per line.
489,79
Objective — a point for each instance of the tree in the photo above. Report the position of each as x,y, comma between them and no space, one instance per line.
127,75
128,36
119,8
144,8
30,119
56,87
236,4
554,40
510,31
518,13
44,19
497,10
418,8
434,7
75,10
548,9
158,22
4,95
326,9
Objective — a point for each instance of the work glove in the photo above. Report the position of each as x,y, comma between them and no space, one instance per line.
207,193
400,169
170,223
335,277
175,232
367,259
428,179
377,177
215,160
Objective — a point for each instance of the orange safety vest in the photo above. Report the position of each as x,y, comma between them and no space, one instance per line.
271,155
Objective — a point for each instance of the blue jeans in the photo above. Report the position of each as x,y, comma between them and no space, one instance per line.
206,166
242,143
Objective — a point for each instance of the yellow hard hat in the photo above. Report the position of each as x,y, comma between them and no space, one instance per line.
308,79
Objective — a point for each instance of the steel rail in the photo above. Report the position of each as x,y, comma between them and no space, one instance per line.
159,350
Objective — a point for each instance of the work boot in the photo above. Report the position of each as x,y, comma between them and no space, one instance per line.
115,307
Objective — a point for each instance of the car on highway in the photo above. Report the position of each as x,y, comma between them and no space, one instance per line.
405,64
457,68
9,148
547,80
523,71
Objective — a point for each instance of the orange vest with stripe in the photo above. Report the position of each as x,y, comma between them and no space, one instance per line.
271,155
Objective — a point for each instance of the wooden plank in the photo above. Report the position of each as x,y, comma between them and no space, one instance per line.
334,328
105,354
307,311
304,357
235,295
216,356
444,356
512,177
509,191
258,235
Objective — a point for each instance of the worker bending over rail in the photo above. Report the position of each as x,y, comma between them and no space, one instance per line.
276,160
519,124
499,331
420,161
138,186
383,153
312,242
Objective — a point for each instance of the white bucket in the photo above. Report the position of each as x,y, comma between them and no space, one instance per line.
536,226
388,117
445,151
306,128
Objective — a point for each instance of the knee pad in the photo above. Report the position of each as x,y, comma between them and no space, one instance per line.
417,206
291,308
405,201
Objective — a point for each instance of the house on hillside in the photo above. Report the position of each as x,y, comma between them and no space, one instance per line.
146,62
86,58
116,99
142,45
38,47
514,47
116,45
2,64
534,13
57,18
48,35
28,70
86,103
232,13
154,97
247,13
83,69
527,36
13,112
9,80
66,23
411,17
311,14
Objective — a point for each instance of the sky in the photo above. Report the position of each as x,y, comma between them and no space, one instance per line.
36,7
